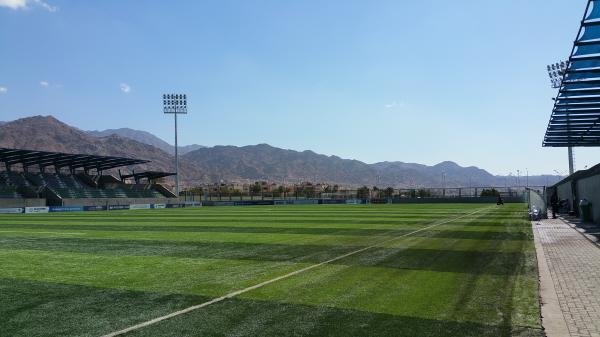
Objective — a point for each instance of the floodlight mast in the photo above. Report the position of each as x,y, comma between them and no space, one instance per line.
557,72
175,104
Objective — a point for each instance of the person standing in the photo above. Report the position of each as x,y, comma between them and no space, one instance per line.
554,204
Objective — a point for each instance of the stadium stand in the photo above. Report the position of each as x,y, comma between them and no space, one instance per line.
79,183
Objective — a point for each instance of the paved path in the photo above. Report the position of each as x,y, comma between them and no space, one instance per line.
569,266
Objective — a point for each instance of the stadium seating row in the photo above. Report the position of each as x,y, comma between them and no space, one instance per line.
15,179
69,186
7,188
72,193
9,192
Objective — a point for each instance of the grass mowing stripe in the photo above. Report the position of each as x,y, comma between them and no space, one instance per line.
262,284
28,232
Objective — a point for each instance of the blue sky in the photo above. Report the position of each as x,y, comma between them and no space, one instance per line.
416,81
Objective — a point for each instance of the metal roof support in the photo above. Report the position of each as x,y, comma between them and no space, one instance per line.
575,119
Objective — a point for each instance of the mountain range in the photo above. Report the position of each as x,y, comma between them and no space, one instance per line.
145,138
199,164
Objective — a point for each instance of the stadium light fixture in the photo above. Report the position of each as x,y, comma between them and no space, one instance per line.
556,73
175,104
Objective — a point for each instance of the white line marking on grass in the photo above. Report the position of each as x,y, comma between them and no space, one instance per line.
279,278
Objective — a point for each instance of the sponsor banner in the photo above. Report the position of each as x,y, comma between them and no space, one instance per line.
36,209
224,203
16,210
117,207
353,202
66,208
333,201
159,206
305,202
379,201
175,205
280,202
193,204
254,203
94,208
139,206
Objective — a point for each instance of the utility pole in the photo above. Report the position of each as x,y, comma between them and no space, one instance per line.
444,184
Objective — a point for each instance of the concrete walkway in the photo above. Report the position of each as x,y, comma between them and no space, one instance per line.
569,266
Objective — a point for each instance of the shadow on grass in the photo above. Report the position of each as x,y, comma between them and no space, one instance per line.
32,308
517,234
477,262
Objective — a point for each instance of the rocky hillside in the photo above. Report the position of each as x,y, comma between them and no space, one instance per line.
46,133
246,163
144,137
266,162
269,163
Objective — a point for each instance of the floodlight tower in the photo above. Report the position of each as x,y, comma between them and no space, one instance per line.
557,72
175,104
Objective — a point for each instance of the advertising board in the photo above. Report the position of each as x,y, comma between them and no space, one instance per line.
139,206
39,209
15,210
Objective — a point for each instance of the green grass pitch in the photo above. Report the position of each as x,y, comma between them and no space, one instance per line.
90,274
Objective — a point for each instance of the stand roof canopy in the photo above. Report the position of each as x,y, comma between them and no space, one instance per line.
575,119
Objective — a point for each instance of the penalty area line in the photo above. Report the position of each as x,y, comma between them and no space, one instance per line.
279,278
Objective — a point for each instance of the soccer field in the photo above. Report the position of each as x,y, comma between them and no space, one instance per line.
392,270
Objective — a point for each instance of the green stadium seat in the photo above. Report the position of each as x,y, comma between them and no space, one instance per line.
70,186
9,192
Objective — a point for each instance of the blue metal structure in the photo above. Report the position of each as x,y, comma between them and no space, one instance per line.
575,120
58,160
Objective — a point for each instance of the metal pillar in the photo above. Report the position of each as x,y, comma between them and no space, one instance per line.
571,161
176,160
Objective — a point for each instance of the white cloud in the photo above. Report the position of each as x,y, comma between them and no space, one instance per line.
24,4
394,104
44,83
45,6
125,88
3,90
13,4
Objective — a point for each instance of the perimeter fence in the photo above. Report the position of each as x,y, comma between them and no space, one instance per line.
371,195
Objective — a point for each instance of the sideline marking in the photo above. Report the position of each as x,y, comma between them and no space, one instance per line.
279,278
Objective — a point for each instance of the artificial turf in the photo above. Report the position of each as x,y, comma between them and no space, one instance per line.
89,274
